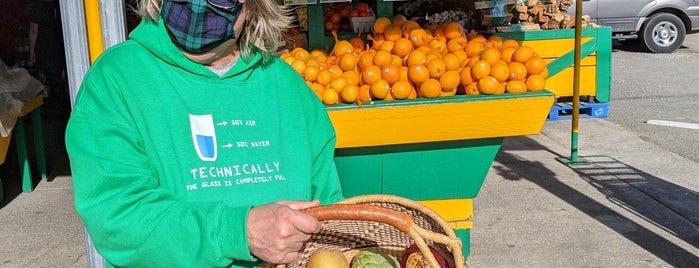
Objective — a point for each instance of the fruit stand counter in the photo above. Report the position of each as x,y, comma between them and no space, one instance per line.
436,151
556,48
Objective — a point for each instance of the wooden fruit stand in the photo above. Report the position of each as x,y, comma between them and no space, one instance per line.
436,151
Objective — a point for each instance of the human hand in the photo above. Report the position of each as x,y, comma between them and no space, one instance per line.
276,231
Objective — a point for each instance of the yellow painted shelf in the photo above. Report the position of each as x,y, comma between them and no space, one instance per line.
453,118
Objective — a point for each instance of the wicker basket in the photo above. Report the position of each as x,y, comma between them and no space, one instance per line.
385,223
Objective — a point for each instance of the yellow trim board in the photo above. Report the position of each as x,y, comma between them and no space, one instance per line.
466,117
457,212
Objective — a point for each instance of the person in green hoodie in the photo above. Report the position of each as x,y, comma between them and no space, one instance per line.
192,145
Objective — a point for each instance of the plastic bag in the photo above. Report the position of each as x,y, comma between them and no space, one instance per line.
17,87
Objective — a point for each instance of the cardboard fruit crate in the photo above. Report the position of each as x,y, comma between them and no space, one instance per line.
556,47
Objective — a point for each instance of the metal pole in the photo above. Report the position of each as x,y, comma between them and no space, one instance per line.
576,82
113,24
74,36
574,159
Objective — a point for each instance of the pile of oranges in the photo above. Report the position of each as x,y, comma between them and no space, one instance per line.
405,61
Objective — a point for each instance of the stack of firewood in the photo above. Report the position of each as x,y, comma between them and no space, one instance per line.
534,14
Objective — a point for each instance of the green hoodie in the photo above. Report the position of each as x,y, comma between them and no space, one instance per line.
167,157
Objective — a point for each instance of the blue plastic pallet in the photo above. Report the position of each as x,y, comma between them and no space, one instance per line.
564,110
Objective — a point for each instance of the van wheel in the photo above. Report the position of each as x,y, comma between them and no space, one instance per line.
663,33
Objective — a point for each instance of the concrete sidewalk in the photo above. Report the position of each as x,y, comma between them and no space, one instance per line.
633,205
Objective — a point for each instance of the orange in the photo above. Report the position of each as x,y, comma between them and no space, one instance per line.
390,73
301,54
451,61
392,33
472,89
545,73
335,70
401,90
436,67
348,61
342,47
433,55
408,26
536,82
495,40
399,19
379,89
349,94
452,30
416,57
365,59
480,69
330,96
318,89
491,55
311,73
386,45
396,60
500,71
506,54
501,88
312,62
380,24
450,80
338,84
535,65
474,48
418,37
418,74
522,54
352,77
463,57
316,53
438,45
364,94
518,71
488,85
516,87
324,77
382,58
472,61
456,44
509,43
402,47
479,38
430,88
358,44
371,74
465,76
298,65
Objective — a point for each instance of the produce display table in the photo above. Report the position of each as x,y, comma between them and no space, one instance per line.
556,48
30,108
436,151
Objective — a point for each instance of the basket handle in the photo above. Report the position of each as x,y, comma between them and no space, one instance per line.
361,212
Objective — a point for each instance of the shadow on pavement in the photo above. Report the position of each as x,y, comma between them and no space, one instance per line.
629,188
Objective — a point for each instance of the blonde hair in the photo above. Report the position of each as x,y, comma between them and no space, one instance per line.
263,28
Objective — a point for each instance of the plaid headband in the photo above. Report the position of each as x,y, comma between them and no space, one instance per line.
199,26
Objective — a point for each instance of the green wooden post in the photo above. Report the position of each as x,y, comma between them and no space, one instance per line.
39,143
23,156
